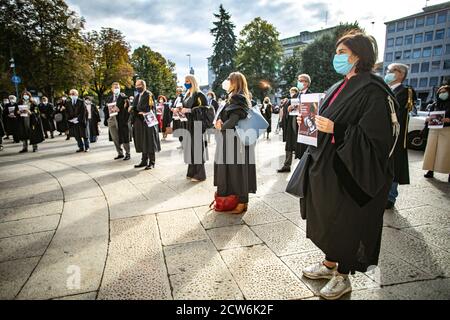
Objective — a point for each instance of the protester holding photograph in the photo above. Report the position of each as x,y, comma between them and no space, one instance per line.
29,124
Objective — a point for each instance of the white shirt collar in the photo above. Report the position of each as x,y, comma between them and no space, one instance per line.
395,86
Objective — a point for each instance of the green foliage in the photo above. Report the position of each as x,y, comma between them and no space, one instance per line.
259,55
222,60
290,69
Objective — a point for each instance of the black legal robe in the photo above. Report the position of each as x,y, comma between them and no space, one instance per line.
63,125
2,127
95,120
78,111
401,162
122,117
146,139
238,177
197,103
347,182
46,113
290,130
11,123
267,114
178,124
166,117
30,128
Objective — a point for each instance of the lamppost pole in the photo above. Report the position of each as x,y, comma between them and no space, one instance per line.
13,66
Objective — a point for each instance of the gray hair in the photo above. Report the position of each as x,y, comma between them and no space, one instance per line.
306,76
403,68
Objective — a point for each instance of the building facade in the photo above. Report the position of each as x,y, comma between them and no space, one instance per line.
421,41
291,44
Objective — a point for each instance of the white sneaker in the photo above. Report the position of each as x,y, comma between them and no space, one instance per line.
338,286
318,271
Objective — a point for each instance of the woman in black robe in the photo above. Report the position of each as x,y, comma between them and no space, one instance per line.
266,111
47,111
195,108
30,129
234,174
62,125
346,179
177,124
146,139
11,120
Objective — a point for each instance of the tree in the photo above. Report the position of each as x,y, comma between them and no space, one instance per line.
222,59
317,58
158,73
290,69
110,61
258,56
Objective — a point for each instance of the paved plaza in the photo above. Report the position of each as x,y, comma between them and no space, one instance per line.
83,226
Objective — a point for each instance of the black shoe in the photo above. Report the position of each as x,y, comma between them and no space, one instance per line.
23,151
390,205
60,134
52,137
35,149
284,169
120,156
6,138
46,137
429,174
80,150
68,138
141,165
150,166
127,157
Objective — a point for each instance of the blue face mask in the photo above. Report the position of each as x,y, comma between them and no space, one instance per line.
443,96
341,64
188,86
389,78
300,86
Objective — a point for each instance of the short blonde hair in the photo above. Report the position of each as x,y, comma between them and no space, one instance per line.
305,76
195,87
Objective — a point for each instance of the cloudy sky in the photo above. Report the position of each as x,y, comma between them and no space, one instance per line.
176,28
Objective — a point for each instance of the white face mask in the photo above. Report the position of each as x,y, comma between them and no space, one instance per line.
26,98
226,85
5,101
13,100
116,91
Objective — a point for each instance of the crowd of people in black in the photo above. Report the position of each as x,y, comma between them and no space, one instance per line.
344,184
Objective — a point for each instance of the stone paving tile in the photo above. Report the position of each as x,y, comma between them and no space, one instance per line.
233,237
84,296
262,276
300,261
135,267
423,290
296,219
24,246
284,238
27,226
426,257
438,236
78,185
425,215
282,202
31,211
13,275
211,219
197,272
180,227
372,294
44,191
260,213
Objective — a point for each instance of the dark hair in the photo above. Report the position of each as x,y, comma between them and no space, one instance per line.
363,46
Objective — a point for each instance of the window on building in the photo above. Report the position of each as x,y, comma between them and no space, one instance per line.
434,81
437,51
442,17
446,64
400,25
416,53
428,36
426,52
391,28
440,34
425,67
407,54
409,38
435,65
423,83
389,57
398,55
420,22
448,33
410,24
390,43
447,49
431,19
415,68
413,83
399,41
418,38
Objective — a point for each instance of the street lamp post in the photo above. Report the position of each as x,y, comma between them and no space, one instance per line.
13,66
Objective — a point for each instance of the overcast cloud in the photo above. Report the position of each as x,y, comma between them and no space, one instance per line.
176,28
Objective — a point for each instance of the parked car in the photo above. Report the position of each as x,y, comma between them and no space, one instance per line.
417,140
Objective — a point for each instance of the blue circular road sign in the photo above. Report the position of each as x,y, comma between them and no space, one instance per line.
16,79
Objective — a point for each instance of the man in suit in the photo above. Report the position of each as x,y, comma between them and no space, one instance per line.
118,123
406,97
77,118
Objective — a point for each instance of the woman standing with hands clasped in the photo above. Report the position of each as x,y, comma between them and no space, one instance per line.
346,179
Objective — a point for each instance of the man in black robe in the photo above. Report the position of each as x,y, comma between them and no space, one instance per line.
77,118
47,111
118,124
290,126
406,97
10,120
